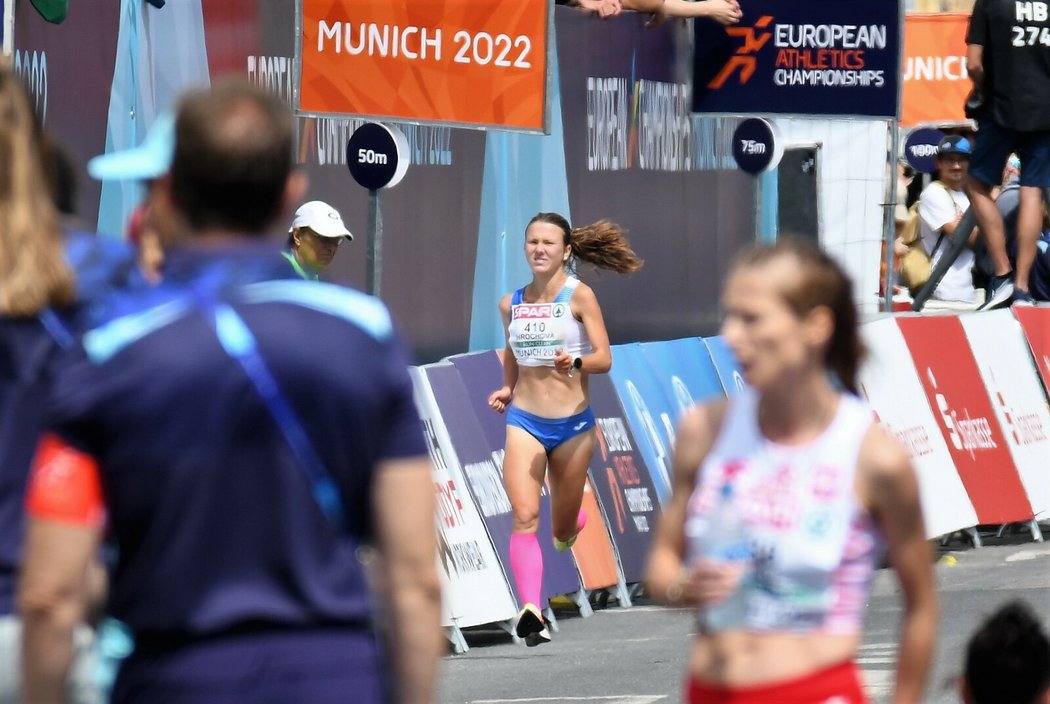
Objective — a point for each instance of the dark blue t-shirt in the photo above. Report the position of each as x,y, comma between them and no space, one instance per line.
28,351
209,506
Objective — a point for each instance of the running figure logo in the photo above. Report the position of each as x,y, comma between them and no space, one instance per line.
744,58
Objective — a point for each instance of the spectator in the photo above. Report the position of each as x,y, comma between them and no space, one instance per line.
722,11
941,207
783,498
1010,68
243,467
1008,205
316,232
1008,659
147,163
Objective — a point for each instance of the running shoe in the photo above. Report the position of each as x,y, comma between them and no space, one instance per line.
564,545
1000,291
1022,298
532,627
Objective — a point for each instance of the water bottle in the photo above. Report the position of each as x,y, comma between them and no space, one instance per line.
726,541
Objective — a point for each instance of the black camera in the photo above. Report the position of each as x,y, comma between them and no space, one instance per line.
975,104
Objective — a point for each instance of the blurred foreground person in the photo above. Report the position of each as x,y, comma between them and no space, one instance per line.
1008,659
783,498
38,295
245,475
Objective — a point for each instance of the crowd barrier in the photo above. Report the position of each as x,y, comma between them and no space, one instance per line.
965,395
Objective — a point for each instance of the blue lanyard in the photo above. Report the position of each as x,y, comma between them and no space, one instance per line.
239,342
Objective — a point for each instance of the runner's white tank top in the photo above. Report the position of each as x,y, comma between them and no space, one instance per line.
538,330
815,547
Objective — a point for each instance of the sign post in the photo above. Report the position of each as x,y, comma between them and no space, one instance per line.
377,156
757,148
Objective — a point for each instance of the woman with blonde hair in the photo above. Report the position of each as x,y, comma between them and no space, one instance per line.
784,497
36,281
556,339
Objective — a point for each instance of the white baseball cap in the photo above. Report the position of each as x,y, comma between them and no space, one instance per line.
322,219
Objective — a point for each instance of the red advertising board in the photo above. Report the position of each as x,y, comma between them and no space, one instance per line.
1036,325
470,62
952,384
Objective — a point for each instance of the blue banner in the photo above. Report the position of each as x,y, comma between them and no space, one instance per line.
478,376
649,412
725,363
818,57
685,371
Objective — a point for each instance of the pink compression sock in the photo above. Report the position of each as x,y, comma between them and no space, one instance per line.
526,561
581,521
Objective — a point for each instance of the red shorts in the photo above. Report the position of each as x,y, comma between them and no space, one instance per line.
839,684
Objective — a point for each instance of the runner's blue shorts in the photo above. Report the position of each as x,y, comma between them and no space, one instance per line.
551,432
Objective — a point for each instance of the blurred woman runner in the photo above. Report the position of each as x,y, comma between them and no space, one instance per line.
555,338
819,489
36,280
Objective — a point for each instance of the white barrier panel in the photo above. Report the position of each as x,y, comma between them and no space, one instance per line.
1005,364
891,385
477,591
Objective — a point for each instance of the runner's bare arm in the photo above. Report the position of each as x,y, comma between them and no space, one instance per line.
501,398
888,487
667,578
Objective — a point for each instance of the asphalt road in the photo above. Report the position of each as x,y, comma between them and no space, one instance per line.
636,655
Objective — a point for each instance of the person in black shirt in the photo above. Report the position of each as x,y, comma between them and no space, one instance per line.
1008,59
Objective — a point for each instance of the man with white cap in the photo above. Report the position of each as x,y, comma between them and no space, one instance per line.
315,234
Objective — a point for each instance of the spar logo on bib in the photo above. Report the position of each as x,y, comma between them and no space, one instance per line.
533,310
558,310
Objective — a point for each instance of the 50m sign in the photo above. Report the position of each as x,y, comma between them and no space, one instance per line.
479,63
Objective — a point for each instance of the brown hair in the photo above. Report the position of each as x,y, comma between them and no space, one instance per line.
820,282
602,244
33,269
233,156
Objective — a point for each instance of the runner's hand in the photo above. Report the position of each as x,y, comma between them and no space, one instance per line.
563,363
500,399
710,582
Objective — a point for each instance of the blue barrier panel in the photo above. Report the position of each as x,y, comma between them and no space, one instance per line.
479,375
624,487
649,412
728,370
685,371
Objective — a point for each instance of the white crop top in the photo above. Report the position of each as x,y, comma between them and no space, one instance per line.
538,330
814,547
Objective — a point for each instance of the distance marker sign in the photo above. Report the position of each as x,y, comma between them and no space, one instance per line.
756,146
377,156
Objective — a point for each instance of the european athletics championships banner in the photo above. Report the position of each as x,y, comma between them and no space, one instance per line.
818,57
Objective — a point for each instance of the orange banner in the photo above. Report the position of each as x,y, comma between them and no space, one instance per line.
935,80
481,63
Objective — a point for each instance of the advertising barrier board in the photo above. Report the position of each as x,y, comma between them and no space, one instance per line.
649,411
624,486
1036,325
949,376
1018,400
476,590
725,364
685,371
889,382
